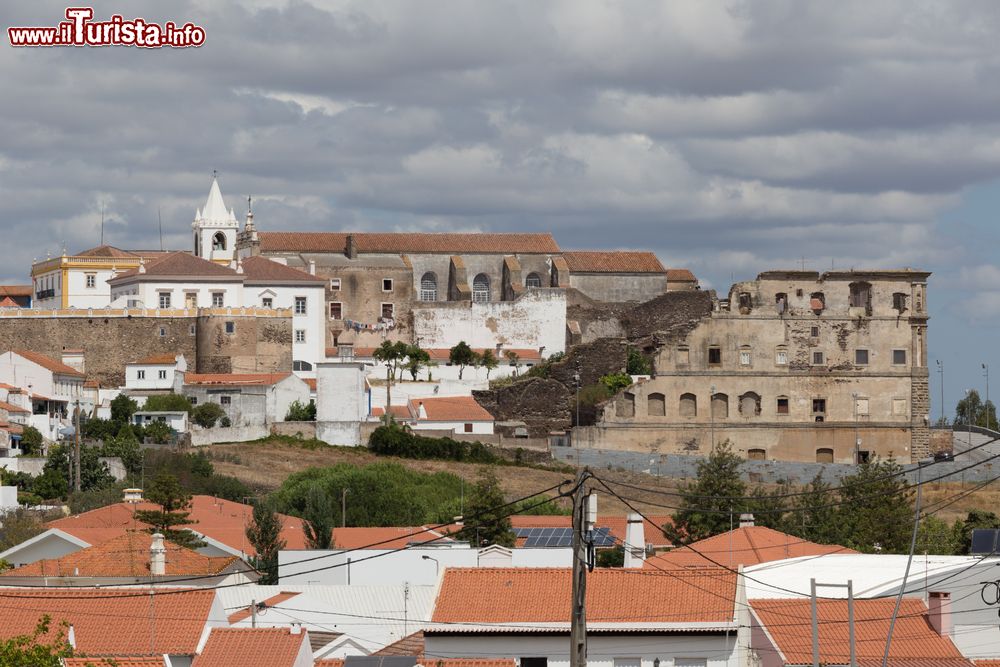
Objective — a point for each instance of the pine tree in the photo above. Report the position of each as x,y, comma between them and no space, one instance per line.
319,517
486,524
712,502
814,517
876,513
264,534
174,502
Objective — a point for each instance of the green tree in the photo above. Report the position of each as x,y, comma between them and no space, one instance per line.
876,513
615,382
485,521
264,534
392,355
174,502
158,431
461,355
301,412
637,364
31,441
41,648
168,403
973,520
19,525
207,414
488,361
416,359
319,518
973,409
769,508
84,501
710,502
122,409
52,483
814,517
613,557
126,447
514,359
935,536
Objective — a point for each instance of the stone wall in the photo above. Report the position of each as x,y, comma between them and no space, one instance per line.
920,410
257,344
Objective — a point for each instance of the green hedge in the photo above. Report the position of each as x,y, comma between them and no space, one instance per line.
393,440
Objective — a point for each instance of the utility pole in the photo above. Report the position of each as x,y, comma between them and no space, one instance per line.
253,613
850,620
940,366
584,516
76,449
986,372
343,508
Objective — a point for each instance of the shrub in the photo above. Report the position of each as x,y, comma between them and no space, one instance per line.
637,364
394,440
615,382
207,414
158,432
301,412
31,441
168,403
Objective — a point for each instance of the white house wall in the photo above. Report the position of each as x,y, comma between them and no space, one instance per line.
478,427
313,350
148,293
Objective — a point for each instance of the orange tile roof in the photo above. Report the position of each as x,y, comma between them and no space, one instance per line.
92,384
393,537
116,661
110,622
106,251
235,378
4,405
614,261
743,546
123,556
362,352
49,363
184,264
16,290
789,624
157,359
542,595
329,662
311,382
8,302
218,519
258,268
408,645
238,647
397,411
681,275
385,242
450,408
246,613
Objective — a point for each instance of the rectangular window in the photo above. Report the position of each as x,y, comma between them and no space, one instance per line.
387,284
745,357
861,357
218,299
468,428
534,662
193,399
225,400
899,406
819,406
162,375
899,357
192,330
300,335
715,355
334,284
164,299
683,356
230,327
163,332
267,302
781,357
91,280
387,311
336,310
190,300
817,358
814,332
140,375
782,405
300,305
861,405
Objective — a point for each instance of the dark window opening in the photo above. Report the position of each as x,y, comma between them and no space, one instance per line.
861,357
756,454
387,311
781,302
387,284
817,302
899,357
715,355
814,332
534,662
817,358
819,405
468,428
864,456
861,296
336,310
225,400
230,327
899,302
746,303
782,405
301,366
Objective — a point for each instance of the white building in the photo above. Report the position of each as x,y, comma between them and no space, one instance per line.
454,414
343,401
154,373
177,420
248,399
215,228
176,281
81,280
52,386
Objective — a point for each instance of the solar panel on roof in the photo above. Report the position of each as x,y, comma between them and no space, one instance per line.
985,541
535,538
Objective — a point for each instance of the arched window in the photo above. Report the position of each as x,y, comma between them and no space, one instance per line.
720,406
824,455
625,405
481,288
301,366
533,280
688,406
756,454
429,287
656,405
750,404
219,241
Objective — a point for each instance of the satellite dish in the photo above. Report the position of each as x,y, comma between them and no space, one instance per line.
67,431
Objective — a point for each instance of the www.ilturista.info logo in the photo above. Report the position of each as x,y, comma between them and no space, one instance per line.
79,30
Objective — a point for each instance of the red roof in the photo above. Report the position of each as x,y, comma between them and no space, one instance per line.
124,556
743,546
116,660
246,612
215,518
788,622
16,290
49,363
258,268
235,378
4,405
238,647
113,622
181,264
379,242
397,411
8,302
157,360
615,261
393,537
680,276
408,645
542,595
450,409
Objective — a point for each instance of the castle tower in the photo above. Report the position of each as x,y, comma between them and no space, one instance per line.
215,228
247,241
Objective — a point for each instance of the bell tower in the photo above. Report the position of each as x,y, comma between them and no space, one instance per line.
215,228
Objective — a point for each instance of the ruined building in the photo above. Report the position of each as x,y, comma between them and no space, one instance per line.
794,365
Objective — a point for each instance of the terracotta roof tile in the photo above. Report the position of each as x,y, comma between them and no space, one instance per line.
238,647
329,662
393,537
235,378
49,363
408,645
106,251
485,243
311,382
4,405
743,546
185,264
157,359
789,624
115,661
106,624
681,276
16,290
615,261
450,409
92,384
218,519
397,411
8,302
542,595
123,556
256,269
246,613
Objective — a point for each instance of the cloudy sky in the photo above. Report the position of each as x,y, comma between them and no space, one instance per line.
730,137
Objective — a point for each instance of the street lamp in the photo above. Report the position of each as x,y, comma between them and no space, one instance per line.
711,413
940,366
437,565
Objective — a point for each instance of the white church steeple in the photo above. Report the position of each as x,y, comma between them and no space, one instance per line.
215,228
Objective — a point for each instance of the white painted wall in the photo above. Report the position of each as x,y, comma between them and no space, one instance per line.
20,372
50,544
342,399
147,293
313,350
535,320
480,427
284,393
175,420
151,373
404,391
80,296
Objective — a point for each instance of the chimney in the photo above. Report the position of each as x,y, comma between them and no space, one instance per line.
352,250
746,520
295,629
421,411
157,556
71,636
939,612
312,267
635,541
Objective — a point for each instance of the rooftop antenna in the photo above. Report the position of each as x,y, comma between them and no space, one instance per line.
159,219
